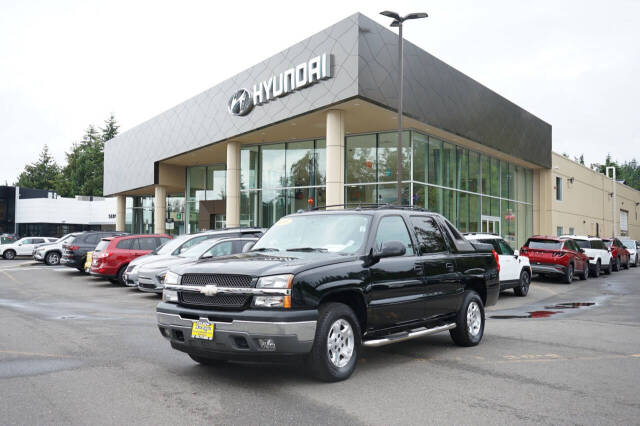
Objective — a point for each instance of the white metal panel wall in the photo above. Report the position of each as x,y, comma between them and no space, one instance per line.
66,210
624,220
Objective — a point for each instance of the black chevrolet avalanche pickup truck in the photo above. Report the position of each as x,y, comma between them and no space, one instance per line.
321,284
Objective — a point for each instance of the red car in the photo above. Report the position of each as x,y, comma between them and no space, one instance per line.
112,255
556,257
619,253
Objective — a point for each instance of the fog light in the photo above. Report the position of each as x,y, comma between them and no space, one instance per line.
170,296
267,345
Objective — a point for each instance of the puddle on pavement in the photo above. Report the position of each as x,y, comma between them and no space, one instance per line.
547,313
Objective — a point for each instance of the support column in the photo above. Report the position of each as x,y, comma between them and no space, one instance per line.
335,157
160,210
121,205
233,184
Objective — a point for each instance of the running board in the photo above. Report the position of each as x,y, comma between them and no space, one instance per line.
401,337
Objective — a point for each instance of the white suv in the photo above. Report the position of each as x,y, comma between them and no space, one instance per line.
599,255
23,247
515,270
633,247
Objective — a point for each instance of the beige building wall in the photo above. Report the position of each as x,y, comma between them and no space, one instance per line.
586,204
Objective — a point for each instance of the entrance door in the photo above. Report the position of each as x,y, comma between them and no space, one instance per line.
490,225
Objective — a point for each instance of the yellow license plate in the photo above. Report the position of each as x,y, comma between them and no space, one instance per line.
202,330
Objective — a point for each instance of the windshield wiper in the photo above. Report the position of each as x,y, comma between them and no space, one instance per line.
309,249
265,249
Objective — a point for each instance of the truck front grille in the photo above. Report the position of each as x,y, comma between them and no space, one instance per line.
233,301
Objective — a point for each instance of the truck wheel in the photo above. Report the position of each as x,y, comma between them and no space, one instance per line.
469,321
207,361
52,258
585,274
336,345
9,254
609,268
568,275
616,264
523,289
596,270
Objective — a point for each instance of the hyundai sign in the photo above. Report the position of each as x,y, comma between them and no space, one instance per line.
295,78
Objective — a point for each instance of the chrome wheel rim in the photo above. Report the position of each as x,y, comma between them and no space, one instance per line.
53,259
474,319
10,255
571,273
525,282
340,343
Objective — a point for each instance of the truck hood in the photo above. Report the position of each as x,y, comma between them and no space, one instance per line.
262,264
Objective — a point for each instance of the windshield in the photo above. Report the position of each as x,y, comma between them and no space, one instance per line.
336,233
583,243
629,244
197,250
545,244
607,243
171,245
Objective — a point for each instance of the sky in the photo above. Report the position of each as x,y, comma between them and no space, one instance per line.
67,64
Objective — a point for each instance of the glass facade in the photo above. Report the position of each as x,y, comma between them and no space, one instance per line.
476,192
282,178
204,183
139,214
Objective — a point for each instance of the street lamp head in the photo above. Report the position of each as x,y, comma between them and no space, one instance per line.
417,15
390,14
395,24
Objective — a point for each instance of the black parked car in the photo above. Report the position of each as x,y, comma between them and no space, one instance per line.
320,284
74,251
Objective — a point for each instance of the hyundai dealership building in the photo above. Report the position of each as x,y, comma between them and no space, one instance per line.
316,124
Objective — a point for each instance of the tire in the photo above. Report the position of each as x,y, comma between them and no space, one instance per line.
635,264
120,275
585,273
469,325
626,265
596,270
52,258
523,289
568,275
80,269
207,361
336,345
616,265
609,268
9,254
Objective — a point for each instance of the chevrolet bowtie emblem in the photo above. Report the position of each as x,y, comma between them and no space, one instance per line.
209,290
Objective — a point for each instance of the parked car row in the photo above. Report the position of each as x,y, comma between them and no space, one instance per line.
23,246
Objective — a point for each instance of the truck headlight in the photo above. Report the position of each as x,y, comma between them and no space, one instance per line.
161,277
274,282
170,296
171,278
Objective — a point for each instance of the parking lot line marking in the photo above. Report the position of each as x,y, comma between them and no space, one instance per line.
10,276
33,354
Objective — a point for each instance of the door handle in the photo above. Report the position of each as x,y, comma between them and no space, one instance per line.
449,267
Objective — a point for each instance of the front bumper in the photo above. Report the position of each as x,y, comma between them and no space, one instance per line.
548,268
39,256
149,284
131,279
237,334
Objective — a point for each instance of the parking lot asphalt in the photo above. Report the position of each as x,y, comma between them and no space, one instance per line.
78,350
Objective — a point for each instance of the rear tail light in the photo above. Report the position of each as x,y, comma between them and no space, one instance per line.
497,258
524,252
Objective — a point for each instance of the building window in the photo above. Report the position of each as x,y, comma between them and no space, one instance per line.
559,231
558,188
572,231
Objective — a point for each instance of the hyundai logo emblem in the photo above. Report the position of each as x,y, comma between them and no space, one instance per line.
240,103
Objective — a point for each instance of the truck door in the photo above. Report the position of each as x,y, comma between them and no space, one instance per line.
397,289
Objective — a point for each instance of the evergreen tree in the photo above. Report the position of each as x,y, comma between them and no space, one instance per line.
42,174
110,129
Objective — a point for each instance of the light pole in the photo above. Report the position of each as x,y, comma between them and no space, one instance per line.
397,22
613,194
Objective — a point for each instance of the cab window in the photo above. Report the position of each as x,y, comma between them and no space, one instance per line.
192,242
125,244
393,228
430,239
505,248
147,243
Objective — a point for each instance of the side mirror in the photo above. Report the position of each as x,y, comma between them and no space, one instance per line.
516,253
391,249
581,250
248,246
